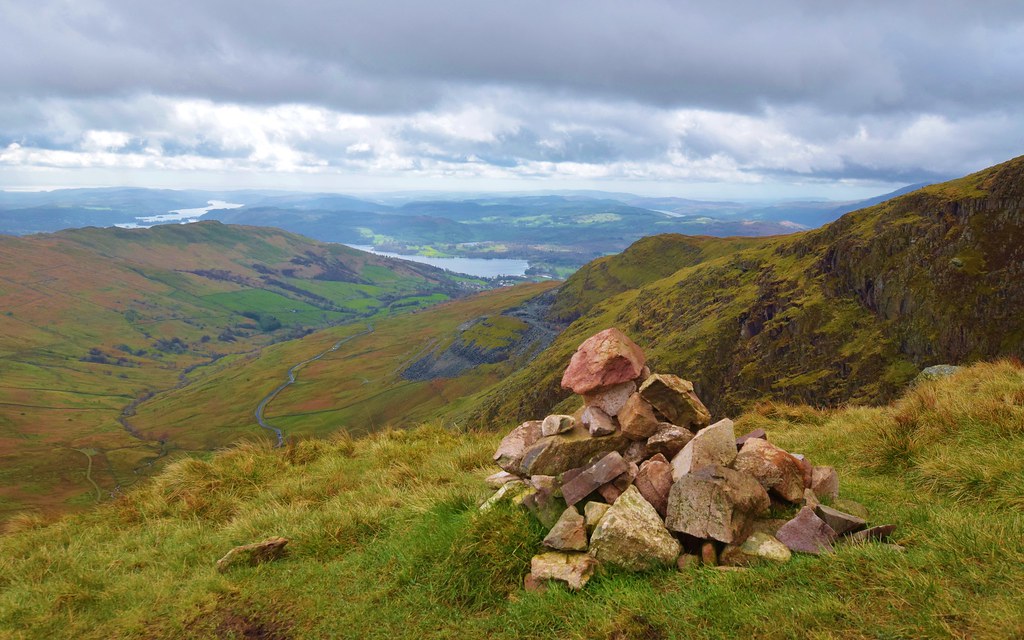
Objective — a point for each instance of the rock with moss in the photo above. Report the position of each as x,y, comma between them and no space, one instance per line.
632,535
716,502
574,569
758,547
557,454
251,555
569,532
674,398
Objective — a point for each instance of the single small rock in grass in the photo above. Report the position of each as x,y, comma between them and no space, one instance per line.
575,569
631,535
714,445
251,555
597,422
758,547
593,512
842,523
880,533
807,533
556,424
825,483
569,533
637,420
610,399
668,440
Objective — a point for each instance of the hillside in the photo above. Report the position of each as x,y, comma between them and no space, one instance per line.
387,542
95,320
849,312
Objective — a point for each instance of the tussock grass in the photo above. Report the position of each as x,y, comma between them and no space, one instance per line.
387,541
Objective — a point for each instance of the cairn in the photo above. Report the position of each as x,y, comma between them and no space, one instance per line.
639,477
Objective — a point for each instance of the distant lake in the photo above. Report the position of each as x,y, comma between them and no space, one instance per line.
182,216
481,267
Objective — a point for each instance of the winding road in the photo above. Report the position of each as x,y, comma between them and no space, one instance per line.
291,380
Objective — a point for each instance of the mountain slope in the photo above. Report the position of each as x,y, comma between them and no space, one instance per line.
93,320
851,311
387,542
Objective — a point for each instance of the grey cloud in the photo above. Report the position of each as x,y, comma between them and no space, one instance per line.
400,55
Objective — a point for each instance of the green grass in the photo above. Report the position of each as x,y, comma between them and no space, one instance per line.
387,542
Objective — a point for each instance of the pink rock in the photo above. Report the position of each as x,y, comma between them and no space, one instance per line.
776,470
605,359
513,447
654,481
590,479
825,482
807,533
610,399
756,433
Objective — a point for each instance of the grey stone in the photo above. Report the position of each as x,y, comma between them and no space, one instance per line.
632,536
507,491
715,502
840,522
557,454
714,445
500,479
610,399
556,424
251,555
544,504
597,422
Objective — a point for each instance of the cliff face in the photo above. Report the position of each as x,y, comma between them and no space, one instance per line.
851,311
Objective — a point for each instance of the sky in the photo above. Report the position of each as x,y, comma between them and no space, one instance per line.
726,99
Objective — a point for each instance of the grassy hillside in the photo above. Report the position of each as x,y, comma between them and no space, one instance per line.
92,320
851,311
358,388
387,542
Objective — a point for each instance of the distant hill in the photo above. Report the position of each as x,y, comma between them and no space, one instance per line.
851,311
93,320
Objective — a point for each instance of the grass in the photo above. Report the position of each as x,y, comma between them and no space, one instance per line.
387,542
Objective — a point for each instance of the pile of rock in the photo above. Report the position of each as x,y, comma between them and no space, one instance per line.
639,478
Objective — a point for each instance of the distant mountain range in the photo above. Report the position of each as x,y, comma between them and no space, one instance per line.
556,232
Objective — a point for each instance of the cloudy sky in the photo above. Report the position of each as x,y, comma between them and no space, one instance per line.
703,99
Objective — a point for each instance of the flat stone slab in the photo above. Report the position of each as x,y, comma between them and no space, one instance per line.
607,358
251,555
841,522
807,533
756,433
557,454
574,569
590,479
500,479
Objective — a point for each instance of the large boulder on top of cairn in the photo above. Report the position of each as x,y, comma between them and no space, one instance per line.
776,470
674,398
557,454
715,502
605,359
509,455
631,535
714,445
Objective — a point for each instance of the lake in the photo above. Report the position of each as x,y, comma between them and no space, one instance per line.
480,267
182,216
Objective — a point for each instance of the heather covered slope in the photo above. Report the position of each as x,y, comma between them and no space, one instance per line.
386,541
851,311
93,319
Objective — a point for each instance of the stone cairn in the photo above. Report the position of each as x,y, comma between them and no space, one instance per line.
640,478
